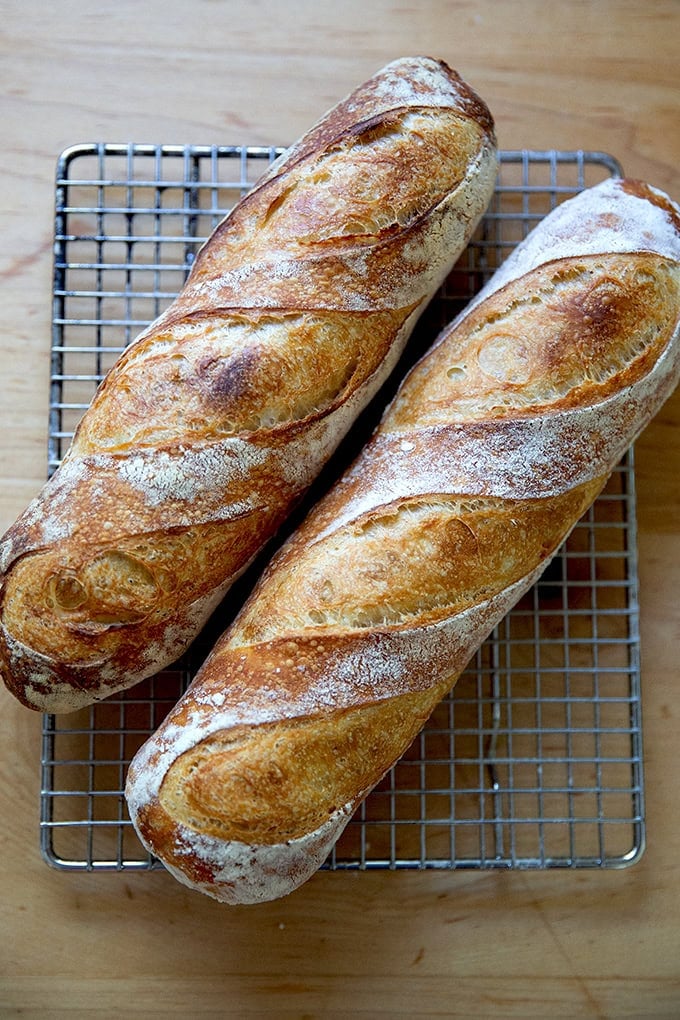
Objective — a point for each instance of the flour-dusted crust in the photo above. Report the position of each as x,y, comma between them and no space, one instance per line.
616,216
213,423
493,447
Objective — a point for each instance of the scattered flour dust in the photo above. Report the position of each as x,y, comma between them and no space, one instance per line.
190,473
245,873
600,220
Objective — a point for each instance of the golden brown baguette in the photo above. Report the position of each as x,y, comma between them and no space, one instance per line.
213,423
495,444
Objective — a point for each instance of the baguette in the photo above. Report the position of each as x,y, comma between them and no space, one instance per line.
495,444
213,423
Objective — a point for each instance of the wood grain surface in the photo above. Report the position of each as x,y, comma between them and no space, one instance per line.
592,75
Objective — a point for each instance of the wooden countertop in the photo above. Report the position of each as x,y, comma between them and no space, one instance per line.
561,944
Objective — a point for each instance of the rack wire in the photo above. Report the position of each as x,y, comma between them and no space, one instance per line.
535,759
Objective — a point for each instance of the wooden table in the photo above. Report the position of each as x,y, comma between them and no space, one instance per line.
561,944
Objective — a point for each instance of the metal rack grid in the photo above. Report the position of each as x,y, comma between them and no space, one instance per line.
535,760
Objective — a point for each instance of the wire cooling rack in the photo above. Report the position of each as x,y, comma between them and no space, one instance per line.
535,759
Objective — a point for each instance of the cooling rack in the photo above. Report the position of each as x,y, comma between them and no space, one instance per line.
535,760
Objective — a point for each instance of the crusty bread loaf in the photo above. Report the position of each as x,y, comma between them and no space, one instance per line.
495,444
212,424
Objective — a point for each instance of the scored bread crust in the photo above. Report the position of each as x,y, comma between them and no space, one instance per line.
495,444
212,424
